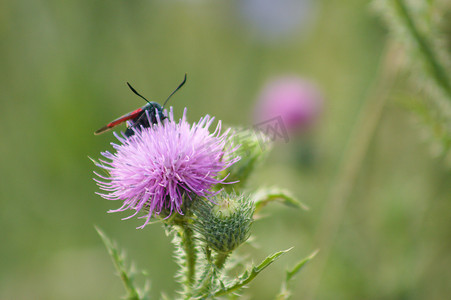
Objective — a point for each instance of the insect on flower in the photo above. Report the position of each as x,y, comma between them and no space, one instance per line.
163,167
138,117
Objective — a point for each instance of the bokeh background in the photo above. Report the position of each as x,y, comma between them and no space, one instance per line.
63,68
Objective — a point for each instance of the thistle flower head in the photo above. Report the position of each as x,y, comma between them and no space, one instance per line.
297,101
160,167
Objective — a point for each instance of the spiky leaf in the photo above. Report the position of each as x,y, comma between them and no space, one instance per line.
126,274
284,291
266,195
250,274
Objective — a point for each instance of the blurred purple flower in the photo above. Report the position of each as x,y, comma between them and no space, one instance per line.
160,167
273,20
296,101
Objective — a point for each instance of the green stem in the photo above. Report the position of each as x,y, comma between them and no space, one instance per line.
208,279
189,247
220,260
436,69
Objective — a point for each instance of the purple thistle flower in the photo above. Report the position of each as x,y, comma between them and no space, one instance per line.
157,167
297,101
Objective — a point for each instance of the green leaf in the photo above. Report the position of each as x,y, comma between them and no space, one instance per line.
284,291
249,275
126,274
291,273
266,195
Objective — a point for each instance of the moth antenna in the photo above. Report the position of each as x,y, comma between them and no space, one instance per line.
134,91
180,85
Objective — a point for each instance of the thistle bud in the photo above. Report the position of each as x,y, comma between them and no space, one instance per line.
224,224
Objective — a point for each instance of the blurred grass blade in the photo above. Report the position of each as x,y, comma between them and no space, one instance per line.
249,275
264,196
126,275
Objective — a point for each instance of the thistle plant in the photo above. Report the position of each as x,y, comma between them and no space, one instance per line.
193,181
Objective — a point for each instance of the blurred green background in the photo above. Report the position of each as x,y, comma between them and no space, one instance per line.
63,71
